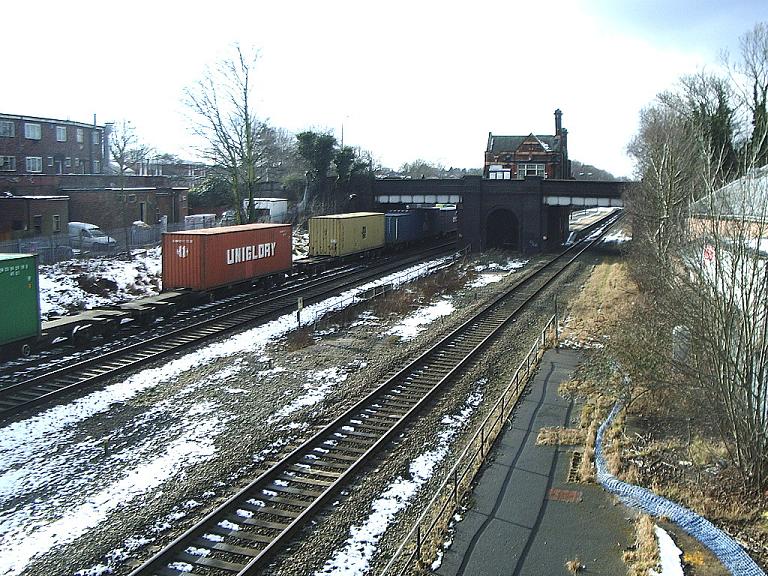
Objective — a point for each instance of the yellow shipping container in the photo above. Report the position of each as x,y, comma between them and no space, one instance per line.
344,234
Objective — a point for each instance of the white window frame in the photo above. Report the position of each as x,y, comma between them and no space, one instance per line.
7,163
56,223
50,161
34,164
61,133
32,131
79,135
7,129
68,162
96,166
536,169
95,137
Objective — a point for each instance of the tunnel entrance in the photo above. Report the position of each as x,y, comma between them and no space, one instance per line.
502,230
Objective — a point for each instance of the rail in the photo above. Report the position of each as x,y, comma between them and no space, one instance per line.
421,541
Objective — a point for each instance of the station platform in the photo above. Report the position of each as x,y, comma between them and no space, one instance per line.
526,518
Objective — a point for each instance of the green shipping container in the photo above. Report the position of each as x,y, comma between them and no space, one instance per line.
344,234
19,298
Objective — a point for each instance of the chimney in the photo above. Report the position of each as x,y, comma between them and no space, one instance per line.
558,122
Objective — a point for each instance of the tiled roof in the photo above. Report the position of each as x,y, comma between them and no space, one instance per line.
498,144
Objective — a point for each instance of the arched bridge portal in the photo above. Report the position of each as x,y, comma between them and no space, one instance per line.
528,215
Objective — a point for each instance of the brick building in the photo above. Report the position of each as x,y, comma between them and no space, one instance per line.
515,157
28,216
46,146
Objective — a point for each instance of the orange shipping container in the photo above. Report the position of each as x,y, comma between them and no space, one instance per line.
213,257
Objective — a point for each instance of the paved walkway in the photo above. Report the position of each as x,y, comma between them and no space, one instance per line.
526,518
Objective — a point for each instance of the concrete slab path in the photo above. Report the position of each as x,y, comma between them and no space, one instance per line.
526,519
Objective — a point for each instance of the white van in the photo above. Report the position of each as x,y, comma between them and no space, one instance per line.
89,237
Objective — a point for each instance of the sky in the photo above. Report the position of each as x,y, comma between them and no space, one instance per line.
407,80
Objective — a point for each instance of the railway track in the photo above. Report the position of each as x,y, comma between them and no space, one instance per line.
58,381
243,534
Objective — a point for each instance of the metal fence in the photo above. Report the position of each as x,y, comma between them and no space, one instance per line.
424,539
59,247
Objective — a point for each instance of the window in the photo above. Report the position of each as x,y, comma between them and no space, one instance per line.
96,167
365,231
56,223
524,170
32,131
61,133
7,128
34,164
498,172
77,164
79,135
50,161
67,162
96,138
7,163
37,223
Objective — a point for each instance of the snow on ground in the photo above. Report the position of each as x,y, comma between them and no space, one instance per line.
357,552
416,322
495,272
669,555
155,448
96,282
618,237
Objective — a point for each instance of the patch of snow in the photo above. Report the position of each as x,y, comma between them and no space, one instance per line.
416,322
357,552
669,555
97,282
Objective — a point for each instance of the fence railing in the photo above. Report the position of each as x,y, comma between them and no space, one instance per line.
424,539
58,247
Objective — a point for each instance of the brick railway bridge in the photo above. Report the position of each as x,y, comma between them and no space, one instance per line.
529,215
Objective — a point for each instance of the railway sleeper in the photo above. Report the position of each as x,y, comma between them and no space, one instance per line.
324,483
224,547
368,441
314,471
261,523
266,510
209,562
291,490
282,499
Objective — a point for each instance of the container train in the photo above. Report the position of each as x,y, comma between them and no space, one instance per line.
199,264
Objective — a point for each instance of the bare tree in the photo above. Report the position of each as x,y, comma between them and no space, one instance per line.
696,248
222,103
126,151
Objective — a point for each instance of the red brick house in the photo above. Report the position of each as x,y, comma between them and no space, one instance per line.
29,216
46,146
516,157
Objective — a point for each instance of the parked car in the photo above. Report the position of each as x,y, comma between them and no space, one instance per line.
87,236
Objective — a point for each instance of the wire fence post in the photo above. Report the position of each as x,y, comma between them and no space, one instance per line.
418,543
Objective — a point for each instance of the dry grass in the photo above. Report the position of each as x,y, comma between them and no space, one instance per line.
561,436
645,554
607,291
299,339
574,566
396,302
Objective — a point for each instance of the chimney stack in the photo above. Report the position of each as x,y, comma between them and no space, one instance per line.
558,122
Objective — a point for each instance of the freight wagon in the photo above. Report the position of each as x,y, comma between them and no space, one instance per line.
19,303
216,257
403,227
339,235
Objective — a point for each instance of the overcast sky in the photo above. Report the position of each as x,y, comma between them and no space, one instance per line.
407,79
